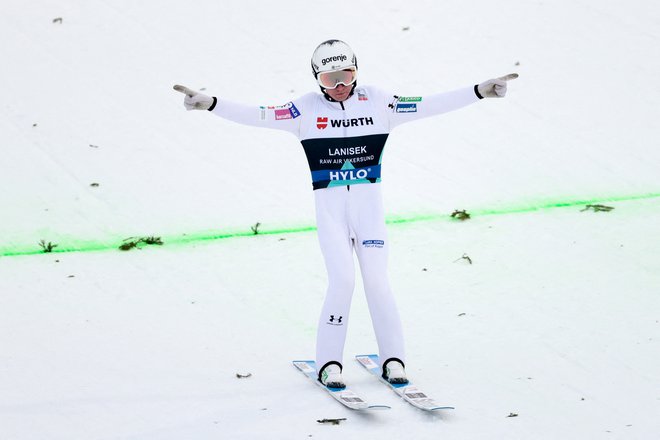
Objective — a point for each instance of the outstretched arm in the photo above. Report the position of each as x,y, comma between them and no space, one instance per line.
283,117
409,108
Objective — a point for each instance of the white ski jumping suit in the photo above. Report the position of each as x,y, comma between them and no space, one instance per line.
344,144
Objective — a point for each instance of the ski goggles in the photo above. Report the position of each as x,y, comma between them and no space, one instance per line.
330,80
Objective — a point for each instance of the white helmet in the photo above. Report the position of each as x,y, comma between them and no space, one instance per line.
332,55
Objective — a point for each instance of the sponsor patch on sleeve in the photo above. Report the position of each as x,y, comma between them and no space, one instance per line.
406,108
282,113
294,111
405,104
410,98
286,111
279,112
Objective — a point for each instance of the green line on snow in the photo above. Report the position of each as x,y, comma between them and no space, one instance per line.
522,209
193,238
107,245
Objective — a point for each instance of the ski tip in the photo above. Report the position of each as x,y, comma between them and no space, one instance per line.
379,407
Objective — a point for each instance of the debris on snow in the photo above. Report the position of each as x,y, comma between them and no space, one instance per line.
47,247
331,421
598,208
461,215
133,242
465,257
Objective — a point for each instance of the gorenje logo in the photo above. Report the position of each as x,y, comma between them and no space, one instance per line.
322,123
342,57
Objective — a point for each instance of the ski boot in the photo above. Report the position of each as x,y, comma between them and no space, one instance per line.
330,376
394,372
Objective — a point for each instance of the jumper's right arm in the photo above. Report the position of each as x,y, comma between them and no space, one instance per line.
285,117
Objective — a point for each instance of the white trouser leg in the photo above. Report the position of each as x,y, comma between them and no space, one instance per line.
372,247
336,245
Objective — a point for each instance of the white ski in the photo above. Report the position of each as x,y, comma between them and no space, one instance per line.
408,392
345,396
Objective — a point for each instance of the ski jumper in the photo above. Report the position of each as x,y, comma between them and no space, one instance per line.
344,143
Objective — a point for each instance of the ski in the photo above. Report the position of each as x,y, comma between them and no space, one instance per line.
408,392
345,396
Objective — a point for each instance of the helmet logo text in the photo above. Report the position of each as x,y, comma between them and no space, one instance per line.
342,57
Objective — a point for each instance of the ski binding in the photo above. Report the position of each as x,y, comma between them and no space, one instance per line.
408,392
345,396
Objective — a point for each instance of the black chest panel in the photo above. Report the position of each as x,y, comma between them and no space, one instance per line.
344,160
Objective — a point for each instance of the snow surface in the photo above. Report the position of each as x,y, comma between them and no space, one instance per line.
556,319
